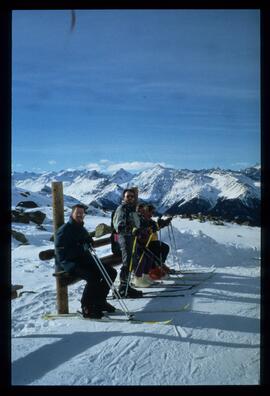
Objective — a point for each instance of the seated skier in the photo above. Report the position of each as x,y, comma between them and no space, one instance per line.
72,245
159,249
144,263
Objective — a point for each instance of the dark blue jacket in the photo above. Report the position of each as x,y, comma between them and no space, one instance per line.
71,245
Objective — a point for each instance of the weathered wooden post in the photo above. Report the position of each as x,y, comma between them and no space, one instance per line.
58,220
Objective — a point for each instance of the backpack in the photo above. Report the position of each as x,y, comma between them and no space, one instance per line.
114,238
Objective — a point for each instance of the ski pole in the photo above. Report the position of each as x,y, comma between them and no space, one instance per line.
175,247
147,243
131,264
110,282
141,257
159,236
111,285
172,247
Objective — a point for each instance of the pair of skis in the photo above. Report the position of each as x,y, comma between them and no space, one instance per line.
112,317
173,292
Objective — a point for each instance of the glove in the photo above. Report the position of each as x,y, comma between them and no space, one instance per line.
167,221
86,246
164,223
161,223
154,227
136,231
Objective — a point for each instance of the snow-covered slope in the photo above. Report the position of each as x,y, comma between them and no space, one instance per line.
41,198
215,342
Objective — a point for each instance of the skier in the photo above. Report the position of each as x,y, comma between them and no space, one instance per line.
125,220
72,245
157,247
144,262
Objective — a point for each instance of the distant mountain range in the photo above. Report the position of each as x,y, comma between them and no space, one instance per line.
230,195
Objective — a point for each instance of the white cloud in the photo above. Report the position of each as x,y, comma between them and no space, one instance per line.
52,162
240,164
91,166
108,166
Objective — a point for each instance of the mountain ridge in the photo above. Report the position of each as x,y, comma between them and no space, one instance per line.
226,193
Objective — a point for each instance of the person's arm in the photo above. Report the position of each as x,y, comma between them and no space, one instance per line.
119,220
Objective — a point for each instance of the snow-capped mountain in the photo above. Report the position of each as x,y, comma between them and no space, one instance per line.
225,193
121,176
254,172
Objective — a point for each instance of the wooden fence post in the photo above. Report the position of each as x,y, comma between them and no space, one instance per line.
58,220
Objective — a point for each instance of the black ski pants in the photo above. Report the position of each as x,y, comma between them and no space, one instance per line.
160,250
96,288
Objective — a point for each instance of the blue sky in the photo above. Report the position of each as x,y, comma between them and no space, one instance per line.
132,88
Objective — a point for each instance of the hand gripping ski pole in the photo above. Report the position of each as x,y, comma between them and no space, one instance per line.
107,278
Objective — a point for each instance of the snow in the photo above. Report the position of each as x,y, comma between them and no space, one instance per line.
215,342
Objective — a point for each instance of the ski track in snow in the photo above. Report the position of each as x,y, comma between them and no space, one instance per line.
215,342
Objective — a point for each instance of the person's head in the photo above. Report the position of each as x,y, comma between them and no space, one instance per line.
78,213
140,208
128,196
149,210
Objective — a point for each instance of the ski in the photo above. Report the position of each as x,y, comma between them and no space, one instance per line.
105,319
182,308
169,289
192,277
195,271
178,283
49,316
108,318
160,294
156,292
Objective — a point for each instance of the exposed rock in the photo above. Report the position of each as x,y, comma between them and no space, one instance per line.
46,254
19,236
25,194
37,217
46,190
102,229
27,204
18,216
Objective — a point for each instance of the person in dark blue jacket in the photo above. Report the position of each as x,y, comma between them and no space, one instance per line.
72,244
